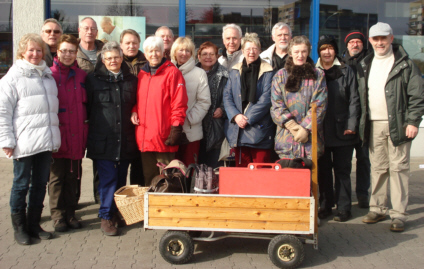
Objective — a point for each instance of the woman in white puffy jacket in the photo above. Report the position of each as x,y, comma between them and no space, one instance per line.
29,133
199,98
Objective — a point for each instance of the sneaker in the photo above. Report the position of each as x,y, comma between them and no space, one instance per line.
60,226
373,217
342,216
363,202
73,223
108,228
397,226
324,213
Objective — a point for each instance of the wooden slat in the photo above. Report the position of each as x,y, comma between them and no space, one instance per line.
229,202
226,224
214,213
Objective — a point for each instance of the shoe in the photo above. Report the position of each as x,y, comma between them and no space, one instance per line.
73,223
108,228
19,226
342,216
397,226
324,213
34,228
60,226
363,202
118,221
373,217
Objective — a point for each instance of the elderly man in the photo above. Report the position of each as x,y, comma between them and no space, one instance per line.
231,37
89,47
135,60
276,54
50,33
167,36
353,54
110,32
392,98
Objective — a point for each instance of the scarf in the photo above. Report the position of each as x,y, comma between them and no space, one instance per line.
333,73
298,73
249,80
39,68
278,62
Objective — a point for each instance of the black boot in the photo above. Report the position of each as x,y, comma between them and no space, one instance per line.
19,225
34,228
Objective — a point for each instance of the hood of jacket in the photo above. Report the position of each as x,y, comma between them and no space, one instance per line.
29,71
186,67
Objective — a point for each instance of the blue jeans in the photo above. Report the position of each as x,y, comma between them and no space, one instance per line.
30,173
112,176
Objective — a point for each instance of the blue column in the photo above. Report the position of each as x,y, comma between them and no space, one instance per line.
314,28
47,9
182,18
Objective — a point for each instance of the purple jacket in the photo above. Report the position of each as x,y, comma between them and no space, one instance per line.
72,110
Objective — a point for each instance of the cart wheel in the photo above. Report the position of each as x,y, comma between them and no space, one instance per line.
195,233
176,247
286,251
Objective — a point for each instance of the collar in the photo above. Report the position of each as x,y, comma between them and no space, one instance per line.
335,62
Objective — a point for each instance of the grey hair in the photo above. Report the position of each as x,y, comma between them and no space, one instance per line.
250,37
111,46
281,25
165,28
298,40
232,26
153,42
53,21
86,18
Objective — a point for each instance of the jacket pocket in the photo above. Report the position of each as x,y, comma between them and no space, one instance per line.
64,148
129,96
341,124
99,145
102,95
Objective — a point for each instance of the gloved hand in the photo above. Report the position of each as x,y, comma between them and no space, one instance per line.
301,135
175,136
292,126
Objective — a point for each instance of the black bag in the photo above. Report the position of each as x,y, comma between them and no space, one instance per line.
172,179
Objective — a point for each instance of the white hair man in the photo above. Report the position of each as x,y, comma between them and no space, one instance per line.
110,32
231,37
392,98
276,54
89,47
50,33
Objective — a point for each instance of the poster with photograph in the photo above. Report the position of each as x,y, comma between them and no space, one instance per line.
110,27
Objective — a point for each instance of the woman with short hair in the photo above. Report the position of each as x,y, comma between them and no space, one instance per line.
249,127
29,133
199,99
111,92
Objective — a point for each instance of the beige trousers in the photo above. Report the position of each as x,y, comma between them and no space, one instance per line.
389,165
149,161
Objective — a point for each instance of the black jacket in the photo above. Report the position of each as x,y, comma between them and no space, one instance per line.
111,134
353,61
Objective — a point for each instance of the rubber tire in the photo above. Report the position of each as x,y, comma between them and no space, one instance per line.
295,247
180,240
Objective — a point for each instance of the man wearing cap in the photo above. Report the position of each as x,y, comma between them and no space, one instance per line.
276,55
354,53
340,132
392,99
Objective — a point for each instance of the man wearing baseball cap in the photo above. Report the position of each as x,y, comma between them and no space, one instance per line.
392,99
355,52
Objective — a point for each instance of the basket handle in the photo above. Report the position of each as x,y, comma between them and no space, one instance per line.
122,188
256,166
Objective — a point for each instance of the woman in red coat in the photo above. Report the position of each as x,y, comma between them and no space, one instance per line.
66,168
161,109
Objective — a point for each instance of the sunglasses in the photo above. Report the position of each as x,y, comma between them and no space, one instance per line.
48,31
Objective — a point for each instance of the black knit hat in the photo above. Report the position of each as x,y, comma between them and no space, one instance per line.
354,34
328,40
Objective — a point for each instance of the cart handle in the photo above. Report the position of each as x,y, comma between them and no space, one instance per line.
253,166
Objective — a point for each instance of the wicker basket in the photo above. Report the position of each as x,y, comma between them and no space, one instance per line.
130,202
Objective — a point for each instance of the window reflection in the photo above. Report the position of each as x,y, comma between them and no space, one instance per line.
6,39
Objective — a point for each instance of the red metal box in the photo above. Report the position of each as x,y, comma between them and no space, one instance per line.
265,179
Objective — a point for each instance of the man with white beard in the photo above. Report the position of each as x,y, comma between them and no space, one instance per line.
276,54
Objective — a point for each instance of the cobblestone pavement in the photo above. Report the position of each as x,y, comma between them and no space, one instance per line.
341,245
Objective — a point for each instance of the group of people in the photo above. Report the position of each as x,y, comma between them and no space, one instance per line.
127,108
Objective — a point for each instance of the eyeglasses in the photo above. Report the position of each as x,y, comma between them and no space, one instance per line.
207,54
251,50
112,58
48,31
86,29
68,51
355,42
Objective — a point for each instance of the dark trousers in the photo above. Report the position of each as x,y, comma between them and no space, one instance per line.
112,176
136,172
96,194
64,177
210,158
30,174
338,159
363,170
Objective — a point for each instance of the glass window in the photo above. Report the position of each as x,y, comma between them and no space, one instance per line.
338,17
205,19
6,39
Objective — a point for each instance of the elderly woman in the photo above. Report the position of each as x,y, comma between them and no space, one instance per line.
249,128
294,88
160,110
213,122
199,98
111,94
66,168
29,133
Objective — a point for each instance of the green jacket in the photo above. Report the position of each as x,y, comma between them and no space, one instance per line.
404,96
